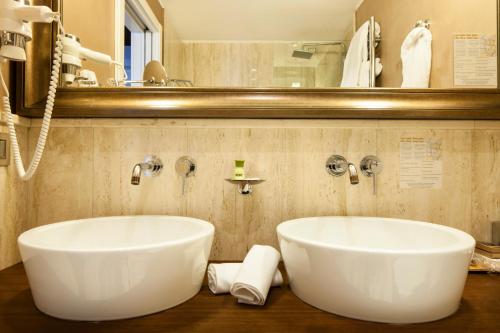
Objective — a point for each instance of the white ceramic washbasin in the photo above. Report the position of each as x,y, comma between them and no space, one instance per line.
376,269
115,267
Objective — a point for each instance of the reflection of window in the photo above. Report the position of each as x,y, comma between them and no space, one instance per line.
128,51
142,38
140,43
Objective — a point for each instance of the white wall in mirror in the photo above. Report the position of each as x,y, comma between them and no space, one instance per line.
259,20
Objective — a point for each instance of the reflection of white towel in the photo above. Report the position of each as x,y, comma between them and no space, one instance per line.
256,275
416,54
222,276
356,64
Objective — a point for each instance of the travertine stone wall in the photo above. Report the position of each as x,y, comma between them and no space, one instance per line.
14,199
87,167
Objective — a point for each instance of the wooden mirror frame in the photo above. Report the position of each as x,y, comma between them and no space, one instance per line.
31,82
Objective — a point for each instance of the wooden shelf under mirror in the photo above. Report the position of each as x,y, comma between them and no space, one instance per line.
31,83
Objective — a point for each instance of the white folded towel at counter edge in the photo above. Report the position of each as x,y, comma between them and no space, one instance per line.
222,276
256,274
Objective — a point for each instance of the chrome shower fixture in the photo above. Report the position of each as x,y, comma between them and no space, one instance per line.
302,54
309,49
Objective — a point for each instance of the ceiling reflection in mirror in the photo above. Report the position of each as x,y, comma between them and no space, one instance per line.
280,43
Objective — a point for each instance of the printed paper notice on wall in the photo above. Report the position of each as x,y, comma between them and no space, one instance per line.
420,164
475,60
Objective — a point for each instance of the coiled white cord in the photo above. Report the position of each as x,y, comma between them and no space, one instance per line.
49,106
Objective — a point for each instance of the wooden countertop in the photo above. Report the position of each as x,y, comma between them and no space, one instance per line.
283,312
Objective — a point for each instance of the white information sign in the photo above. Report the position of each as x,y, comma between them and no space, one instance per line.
475,60
420,164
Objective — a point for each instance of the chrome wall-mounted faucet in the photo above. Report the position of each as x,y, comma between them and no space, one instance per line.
151,167
337,166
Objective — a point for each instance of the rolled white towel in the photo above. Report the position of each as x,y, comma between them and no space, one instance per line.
256,274
222,276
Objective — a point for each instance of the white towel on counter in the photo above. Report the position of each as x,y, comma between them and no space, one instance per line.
256,274
416,54
356,65
222,276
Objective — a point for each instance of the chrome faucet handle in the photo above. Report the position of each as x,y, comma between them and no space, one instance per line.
336,165
371,166
185,167
151,167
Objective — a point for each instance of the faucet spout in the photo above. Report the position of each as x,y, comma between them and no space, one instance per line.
353,174
136,174
151,167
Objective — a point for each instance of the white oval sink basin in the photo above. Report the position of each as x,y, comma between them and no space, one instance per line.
376,269
115,267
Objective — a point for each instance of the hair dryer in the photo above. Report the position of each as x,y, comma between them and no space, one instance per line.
15,31
74,53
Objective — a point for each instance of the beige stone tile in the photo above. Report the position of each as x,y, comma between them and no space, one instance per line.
259,214
263,77
117,151
487,124
188,61
106,194
169,144
485,182
18,121
186,122
62,188
137,122
232,123
450,205
14,206
222,71
309,189
204,64
209,196
58,122
330,123
428,124
145,199
86,171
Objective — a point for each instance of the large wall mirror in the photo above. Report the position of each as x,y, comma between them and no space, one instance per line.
287,43
269,59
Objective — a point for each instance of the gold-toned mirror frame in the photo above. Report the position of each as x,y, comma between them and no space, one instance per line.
32,78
